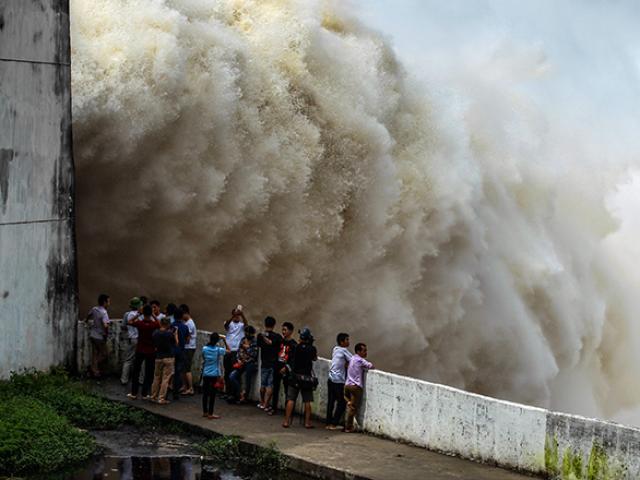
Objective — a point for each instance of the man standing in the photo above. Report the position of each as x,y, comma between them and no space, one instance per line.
99,321
354,386
189,350
155,310
164,340
269,343
283,365
175,314
335,384
234,328
135,312
302,379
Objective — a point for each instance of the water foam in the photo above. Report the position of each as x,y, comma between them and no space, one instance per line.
277,154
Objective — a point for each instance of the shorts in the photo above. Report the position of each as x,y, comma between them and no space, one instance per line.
188,359
293,390
266,377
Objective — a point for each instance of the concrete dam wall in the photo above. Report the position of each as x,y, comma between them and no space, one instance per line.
38,300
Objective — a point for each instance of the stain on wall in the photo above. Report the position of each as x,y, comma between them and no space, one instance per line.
38,285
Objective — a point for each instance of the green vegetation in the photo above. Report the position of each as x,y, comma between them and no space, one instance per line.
572,466
34,438
42,414
228,451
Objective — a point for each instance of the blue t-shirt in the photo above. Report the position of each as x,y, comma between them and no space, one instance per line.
212,356
183,331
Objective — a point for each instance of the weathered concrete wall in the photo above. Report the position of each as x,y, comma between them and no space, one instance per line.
470,426
37,251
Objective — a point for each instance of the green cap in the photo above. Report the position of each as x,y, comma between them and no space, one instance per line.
135,303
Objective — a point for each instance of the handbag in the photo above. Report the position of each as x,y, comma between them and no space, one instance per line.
307,381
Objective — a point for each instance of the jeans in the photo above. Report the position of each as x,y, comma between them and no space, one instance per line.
353,396
229,359
235,378
163,372
208,394
129,356
336,400
98,355
177,374
149,360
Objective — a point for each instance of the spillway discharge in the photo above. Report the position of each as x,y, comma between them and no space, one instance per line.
277,154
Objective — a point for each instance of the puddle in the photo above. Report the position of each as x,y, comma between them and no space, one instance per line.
131,455
146,468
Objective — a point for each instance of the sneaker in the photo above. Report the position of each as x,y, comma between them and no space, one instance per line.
132,396
147,397
260,406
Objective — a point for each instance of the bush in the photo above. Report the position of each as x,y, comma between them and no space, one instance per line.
34,438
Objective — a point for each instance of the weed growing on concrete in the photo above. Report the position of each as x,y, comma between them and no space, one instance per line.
269,459
228,451
551,456
573,467
224,450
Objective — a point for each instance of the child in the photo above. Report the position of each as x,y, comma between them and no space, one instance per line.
212,355
247,365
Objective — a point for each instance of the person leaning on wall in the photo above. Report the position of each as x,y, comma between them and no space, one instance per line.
354,386
98,320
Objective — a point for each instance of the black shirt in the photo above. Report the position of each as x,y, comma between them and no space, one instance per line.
286,351
303,358
269,353
164,341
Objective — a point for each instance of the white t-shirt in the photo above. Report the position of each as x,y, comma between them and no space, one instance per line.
339,359
235,334
191,325
132,332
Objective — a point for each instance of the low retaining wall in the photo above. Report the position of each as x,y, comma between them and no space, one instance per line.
455,422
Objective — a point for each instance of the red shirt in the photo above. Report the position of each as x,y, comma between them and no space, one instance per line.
145,335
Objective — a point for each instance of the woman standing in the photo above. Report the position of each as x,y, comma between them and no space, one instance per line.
212,355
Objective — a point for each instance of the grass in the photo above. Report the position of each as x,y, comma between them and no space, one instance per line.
42,428
42,417
34,438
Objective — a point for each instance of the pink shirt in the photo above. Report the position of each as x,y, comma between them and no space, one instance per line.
357,368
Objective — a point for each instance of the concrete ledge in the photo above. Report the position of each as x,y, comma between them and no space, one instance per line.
458,423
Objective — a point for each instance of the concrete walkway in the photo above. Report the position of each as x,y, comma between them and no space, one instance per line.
329,454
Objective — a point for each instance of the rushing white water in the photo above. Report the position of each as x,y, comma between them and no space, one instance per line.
276,154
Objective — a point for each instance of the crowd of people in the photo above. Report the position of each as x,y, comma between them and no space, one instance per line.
159,352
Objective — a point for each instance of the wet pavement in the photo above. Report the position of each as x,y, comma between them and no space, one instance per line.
326,453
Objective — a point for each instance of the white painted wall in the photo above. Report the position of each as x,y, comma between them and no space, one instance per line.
455,422
37,257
